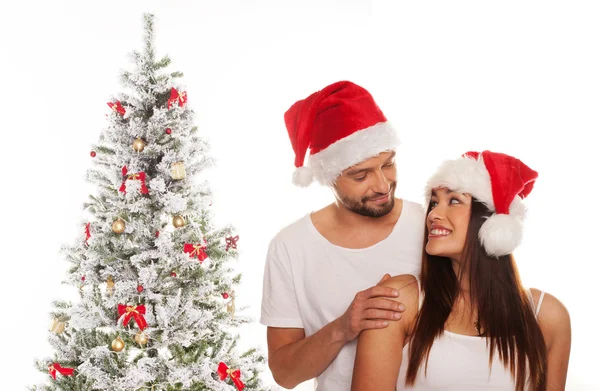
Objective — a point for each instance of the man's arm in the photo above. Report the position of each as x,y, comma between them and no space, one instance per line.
295,358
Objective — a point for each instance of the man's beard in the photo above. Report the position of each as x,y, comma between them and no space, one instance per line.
360,206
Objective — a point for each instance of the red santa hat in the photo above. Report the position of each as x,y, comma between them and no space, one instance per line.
342,126
501,182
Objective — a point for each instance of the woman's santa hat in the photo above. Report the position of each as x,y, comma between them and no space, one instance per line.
342,125
501,182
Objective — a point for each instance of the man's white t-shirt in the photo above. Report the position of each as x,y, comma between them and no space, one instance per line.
309,282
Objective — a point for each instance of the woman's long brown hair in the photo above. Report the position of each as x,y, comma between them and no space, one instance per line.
502,304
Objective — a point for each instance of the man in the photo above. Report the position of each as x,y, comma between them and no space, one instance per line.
320,283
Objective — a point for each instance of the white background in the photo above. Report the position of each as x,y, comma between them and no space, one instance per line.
517,77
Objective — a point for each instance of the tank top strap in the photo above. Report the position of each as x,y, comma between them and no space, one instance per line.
420,292
539,304
530,297
534,308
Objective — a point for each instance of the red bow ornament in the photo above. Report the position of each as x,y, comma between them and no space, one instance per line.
196,250
135,313
88,233
117,107
140,176
177,96
224,370
231,242
55,367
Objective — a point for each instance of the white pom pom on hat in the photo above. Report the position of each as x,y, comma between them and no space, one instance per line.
501,234
303,176
498,180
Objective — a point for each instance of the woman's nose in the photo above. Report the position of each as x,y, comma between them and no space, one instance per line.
435,214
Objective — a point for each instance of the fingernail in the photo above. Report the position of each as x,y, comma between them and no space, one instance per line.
396,293
386,323
401,307
397,315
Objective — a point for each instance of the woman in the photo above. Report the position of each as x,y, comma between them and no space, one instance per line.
469,324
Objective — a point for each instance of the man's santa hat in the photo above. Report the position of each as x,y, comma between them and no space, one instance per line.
342,125
501,182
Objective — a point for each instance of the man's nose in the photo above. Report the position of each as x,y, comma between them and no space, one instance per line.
382,185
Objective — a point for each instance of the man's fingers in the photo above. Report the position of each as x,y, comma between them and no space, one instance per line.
375,324
382,291
375,314
384,304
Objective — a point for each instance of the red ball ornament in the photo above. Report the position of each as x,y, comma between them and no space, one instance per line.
157,234
140,288
225,295
93,154
83,278
173,274
168,131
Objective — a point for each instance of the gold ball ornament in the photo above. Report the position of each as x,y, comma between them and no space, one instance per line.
110,286
141,338
57,326
118,226
178,221
138,145
118,344
177,171
231,305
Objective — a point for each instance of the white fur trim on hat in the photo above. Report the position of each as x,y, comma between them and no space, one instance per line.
328,164
464,175
468,175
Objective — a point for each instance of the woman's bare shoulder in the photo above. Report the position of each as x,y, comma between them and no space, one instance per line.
554,318
402,282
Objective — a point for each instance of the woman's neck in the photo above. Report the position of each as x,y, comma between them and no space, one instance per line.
463,303
462,276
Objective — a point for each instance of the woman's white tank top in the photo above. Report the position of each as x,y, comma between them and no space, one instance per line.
461,363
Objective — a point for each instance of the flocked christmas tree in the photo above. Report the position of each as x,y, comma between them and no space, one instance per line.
156,279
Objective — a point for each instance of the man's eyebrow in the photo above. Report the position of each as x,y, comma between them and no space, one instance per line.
361,170
358,171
